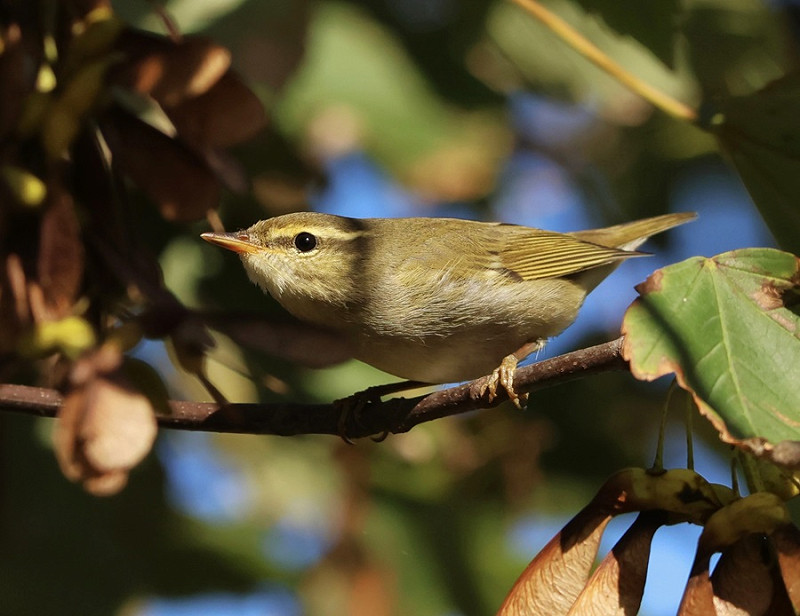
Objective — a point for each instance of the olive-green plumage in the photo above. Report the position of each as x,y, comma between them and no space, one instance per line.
432,299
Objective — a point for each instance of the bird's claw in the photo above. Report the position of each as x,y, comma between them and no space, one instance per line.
354,405
503,375
351,406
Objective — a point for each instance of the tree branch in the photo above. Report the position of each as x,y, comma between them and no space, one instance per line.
394,415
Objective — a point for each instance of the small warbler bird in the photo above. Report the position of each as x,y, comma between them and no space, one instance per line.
435,300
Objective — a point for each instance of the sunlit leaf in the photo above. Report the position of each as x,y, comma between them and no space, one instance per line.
71,336
27,189
728,328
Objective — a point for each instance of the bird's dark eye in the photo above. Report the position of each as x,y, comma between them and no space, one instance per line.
305,241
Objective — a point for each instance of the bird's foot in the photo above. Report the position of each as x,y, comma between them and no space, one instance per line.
503,375
353,406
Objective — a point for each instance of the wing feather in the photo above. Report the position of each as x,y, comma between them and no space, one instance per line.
533,254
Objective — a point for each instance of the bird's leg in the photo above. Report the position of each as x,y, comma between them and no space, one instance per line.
504,375
354,404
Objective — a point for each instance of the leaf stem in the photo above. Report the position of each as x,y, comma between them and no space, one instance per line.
591,52
689,420
658,462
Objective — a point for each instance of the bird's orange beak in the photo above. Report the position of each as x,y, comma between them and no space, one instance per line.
238,242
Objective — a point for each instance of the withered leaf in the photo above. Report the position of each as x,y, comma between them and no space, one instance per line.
169,71
554,579
226,114
742,580
556,576
18,76
617,585
61,255
786,540
104,427
759,513
698,596
14,308
176,179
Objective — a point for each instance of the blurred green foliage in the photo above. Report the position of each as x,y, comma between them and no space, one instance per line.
418,524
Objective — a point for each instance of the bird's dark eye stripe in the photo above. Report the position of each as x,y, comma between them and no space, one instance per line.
305,241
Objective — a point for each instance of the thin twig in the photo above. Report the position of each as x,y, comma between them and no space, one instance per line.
395,415
591,52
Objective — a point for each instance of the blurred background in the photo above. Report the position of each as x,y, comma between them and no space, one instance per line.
407,108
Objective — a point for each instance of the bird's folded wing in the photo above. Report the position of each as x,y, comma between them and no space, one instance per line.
537,254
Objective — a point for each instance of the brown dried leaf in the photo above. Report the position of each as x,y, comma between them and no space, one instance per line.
104,427
556,576
296,342
742,580
787,544
18,76
15,291
170,72
554,579
698,597
617,585
759,513
227,114
173,177
118,428
61,255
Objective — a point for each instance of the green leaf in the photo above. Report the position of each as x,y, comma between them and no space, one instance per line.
729,328
760,133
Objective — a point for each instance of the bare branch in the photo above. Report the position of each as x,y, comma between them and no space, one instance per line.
394,415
